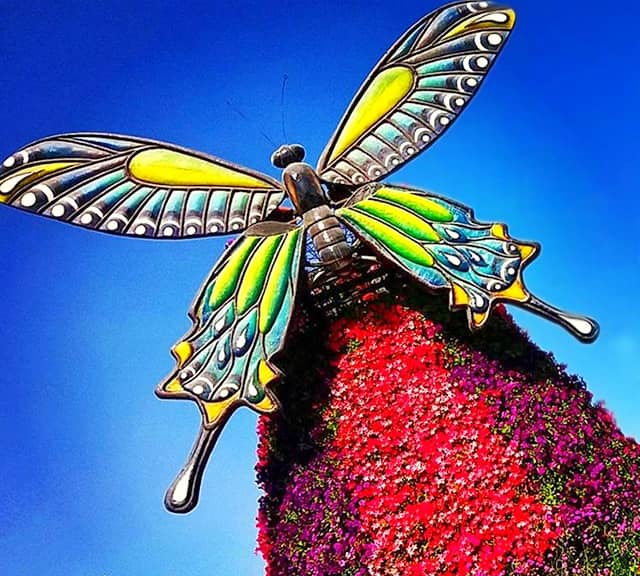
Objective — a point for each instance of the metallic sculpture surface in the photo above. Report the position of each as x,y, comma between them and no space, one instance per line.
137,187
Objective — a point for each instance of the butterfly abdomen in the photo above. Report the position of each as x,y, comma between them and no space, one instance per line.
328,238
307,196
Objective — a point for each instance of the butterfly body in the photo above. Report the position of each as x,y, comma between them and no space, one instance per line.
329,239
304,189
136,187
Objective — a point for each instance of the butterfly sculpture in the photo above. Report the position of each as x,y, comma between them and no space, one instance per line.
138,187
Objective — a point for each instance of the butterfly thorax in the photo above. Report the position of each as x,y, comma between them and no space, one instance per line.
303,187
305,190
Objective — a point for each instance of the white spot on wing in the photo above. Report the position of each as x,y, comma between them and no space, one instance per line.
425,137
453,259
9,184
374,171
58,211
499,17
478,301
407,148
9,162
242,339
28,200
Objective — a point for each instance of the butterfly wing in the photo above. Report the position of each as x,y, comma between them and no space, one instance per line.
416,91
442,245
130,186
240,320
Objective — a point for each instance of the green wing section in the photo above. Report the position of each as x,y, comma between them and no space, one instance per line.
440,244
135,187
240,320
416,91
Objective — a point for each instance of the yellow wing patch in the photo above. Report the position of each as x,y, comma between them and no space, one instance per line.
504,19
214,411
383,95
266,374
162,167
182,352
26,175
173,387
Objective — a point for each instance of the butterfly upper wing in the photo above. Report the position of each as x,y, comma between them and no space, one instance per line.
416,91
240,320
132,186
441,244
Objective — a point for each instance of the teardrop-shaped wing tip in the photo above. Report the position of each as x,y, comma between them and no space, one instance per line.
183,494
584,328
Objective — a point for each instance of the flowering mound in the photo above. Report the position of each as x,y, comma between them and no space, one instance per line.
410,447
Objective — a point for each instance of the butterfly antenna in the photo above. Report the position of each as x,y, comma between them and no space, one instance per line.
285,77
249,121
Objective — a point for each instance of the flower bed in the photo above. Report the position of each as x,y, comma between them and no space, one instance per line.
409,446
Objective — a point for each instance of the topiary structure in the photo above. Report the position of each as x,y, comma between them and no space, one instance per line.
410,446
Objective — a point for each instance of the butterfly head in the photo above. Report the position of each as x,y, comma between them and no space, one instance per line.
287,154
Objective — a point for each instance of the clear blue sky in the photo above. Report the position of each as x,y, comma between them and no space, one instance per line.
548,146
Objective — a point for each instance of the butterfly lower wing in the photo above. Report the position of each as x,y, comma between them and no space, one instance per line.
416,91
240,320
135,187
440,244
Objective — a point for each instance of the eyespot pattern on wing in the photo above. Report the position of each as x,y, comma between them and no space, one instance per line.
135,187
416,91
240,320
439,243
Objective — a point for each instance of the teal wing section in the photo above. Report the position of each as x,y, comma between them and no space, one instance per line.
240,320
417,91
135,187
440,244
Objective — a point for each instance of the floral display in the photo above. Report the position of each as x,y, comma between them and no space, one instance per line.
411,447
